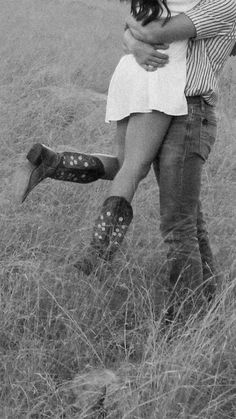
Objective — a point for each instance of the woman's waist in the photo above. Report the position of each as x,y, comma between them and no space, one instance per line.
128,62
176,51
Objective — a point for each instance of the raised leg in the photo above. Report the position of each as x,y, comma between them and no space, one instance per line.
69,166
112,163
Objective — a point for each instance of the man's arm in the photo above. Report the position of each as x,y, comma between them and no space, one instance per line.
208,19
177,28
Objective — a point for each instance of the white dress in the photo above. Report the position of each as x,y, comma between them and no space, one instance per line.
133,89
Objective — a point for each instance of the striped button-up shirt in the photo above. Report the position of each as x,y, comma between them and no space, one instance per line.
215,23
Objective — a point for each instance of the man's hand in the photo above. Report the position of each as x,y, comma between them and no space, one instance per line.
147,56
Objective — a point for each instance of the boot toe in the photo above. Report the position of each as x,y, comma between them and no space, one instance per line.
21,180
37,175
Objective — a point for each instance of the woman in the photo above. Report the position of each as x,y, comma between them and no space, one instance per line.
142,103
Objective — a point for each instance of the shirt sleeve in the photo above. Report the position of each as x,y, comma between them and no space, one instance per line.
213,18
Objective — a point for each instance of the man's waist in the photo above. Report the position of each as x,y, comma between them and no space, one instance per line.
197,100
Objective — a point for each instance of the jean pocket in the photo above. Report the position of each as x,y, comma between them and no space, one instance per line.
208,132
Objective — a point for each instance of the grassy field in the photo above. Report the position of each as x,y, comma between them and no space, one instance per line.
64,337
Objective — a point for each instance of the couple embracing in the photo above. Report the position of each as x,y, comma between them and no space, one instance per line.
162,97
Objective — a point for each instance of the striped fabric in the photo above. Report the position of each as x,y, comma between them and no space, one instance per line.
215,23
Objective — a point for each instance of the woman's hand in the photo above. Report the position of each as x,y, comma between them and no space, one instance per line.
147,33
147,56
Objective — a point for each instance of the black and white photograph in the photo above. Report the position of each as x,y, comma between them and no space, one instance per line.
118,209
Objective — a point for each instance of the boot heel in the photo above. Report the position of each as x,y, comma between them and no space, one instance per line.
35,154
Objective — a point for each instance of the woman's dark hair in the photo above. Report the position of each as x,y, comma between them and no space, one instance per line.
149,10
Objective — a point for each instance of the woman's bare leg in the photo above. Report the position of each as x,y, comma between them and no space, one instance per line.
145,133
113,163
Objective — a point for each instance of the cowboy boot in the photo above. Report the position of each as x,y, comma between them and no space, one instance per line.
66,166
108,233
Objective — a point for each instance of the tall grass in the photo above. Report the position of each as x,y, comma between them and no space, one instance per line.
64,337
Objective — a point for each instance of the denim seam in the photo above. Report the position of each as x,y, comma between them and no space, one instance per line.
186,144
204,117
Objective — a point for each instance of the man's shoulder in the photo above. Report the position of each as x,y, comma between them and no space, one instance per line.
217,13
224,5
227,6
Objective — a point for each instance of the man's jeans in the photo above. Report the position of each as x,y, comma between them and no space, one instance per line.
178,168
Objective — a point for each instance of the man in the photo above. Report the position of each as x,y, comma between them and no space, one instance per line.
211,30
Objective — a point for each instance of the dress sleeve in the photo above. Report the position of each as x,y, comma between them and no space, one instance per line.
213,18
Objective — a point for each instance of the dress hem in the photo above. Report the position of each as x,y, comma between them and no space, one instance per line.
125,115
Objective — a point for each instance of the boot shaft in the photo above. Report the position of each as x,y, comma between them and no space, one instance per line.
108,233
67,166
111,226
78,167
